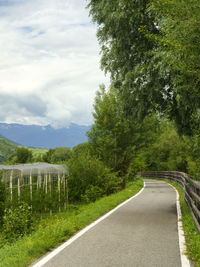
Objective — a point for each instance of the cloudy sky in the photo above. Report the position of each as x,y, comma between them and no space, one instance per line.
49,62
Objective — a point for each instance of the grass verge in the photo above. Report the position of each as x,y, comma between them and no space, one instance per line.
53,231
191,234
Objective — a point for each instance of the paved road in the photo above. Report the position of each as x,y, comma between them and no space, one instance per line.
142,233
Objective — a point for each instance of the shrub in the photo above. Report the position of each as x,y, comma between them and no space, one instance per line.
17,221
89,176
61,154
21,155
92,193
138,164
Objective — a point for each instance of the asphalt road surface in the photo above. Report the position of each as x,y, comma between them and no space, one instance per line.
142,233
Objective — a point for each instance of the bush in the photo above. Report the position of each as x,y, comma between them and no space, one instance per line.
21,155
89,176
92,193
17,221
59,154
138,164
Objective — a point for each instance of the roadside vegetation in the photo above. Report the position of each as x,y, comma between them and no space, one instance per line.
191,234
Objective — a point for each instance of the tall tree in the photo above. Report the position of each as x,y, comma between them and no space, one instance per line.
127,53
179,51
107,135
21,155
116,140
151,49
123,46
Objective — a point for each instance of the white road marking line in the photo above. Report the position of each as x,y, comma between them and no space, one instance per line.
82,232
184,260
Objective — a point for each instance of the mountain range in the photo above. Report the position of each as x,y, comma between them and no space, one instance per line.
44,136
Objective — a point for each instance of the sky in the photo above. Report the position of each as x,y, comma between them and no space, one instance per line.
49,62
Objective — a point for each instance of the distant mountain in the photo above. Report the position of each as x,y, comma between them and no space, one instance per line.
44,136
6,148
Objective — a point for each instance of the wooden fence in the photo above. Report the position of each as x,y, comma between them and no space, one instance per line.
191,189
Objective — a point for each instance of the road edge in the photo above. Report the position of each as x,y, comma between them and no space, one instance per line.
181,235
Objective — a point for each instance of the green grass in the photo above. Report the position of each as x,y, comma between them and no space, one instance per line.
53,231
191,233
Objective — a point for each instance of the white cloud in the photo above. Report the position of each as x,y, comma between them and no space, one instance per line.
49,58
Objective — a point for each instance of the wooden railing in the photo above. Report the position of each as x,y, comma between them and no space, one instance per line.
191,189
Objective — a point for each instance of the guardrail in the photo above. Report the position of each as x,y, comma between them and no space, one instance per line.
191,189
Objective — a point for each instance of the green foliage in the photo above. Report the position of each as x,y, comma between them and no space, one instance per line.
151,49
6,149
127,54
137,164
92,193
57,155
47,157
108,134
38,154
38,151
178,23
114,139
193,157
81,148
17,221
21,155
191,233
61,154
122,45
87,173
169,151
2,199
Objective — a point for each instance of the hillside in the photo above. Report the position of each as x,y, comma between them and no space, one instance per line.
6,148
44,136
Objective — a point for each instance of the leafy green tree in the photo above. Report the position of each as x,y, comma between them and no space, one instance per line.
178,51
21,155
127,54
48,156
81,148
61,154
151,49
89,178
114,139
123,46
168,152
109,134
193,156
